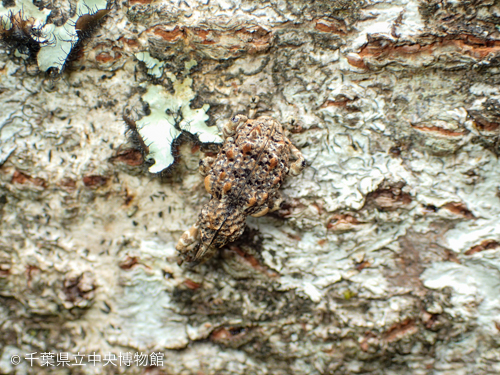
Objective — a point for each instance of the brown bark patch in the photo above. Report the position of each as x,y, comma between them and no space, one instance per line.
429,209
67,183
387,49
205,36
484,124
5,269
361,266
342,222
195,149
234,336
294,236
439,131
297,129
330,26
356,60
22,178
450,256
132,43
409,263
94,181
104,57
128,197
258,38
430,321
30,272
484,245
219,43
250,259
128,263
190,284
336,103
170,36
79,288
395,151
368,340
418,250
130,157
406,328
460,209
473,46
322,242
389,199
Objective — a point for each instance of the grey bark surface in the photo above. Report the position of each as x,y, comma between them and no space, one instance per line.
384,258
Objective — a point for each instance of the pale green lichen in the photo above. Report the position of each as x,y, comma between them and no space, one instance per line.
27,10
154,66
170,115
56,42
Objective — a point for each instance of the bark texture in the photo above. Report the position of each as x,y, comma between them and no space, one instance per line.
384,258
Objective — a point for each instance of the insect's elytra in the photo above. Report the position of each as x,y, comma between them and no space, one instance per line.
243,180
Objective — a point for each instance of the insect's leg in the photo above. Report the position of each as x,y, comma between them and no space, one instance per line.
204,253
206,165
264,210
276,202
232,125
188,240
299,164
208,184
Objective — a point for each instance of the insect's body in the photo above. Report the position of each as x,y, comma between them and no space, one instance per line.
243,180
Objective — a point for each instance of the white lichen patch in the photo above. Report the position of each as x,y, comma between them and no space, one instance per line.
403,18
27,10
475,286
170,115
56,42
155,325
154,66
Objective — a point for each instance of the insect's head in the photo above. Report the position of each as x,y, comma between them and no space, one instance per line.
197,255
205,251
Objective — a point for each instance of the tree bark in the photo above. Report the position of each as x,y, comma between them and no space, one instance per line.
383,259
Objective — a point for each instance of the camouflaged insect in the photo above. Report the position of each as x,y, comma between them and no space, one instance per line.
243,180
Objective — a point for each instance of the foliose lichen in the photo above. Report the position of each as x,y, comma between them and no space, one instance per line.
56,42
170,115
154,66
